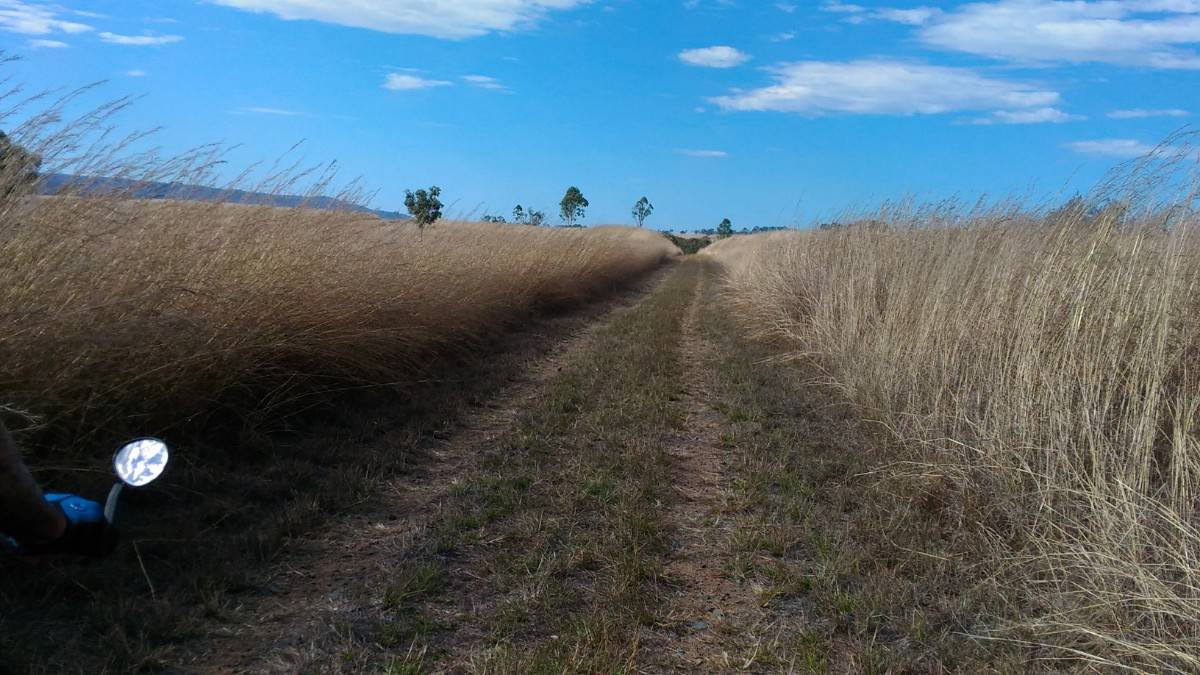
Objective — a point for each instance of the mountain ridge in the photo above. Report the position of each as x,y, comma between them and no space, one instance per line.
51,184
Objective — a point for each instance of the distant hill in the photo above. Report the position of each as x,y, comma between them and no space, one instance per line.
55,182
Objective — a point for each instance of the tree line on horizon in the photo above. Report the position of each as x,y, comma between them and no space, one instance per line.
425,208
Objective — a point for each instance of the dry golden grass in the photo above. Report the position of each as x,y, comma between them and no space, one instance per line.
1043,377
116,311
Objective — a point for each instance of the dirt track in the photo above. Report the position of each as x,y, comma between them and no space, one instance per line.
508,550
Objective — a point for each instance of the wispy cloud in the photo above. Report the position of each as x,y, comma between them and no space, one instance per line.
407,82
884,87
704,154
1140,113
714,57
1031,116
278,112
842,7
1154,33
36,19
1121,148
47,44
452,19
135,73
485,82
140,40
913,16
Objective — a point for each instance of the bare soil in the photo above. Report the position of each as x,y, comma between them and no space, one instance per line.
705,608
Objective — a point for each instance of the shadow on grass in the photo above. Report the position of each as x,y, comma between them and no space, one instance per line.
238,492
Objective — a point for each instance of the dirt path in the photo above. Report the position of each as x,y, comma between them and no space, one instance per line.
647,497
331,583
706,609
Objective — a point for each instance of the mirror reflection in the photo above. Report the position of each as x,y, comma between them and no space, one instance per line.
142,461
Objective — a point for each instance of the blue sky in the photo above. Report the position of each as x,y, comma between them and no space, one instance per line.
768,113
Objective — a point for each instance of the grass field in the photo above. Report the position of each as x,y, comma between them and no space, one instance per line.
271,347
1039,379
143,314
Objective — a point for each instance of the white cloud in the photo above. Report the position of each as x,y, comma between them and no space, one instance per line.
406,82
1031,116
140,40
31,19
917,16
704,154
135,73
1140,113
883,87
485,82
278,112
842,8
453,19
913,16
1122,148
1155,33
714,57
48,44
786,36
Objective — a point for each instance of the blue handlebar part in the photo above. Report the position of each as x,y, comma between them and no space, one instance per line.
79,511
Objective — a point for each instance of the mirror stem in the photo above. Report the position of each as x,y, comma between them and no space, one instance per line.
110,506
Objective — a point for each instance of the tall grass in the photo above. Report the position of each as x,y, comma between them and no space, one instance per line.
121,312
1042,374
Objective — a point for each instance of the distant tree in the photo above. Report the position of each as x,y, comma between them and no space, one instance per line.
519,215
572,206
535,218
494,219
425,207
18,168
725,229
642,210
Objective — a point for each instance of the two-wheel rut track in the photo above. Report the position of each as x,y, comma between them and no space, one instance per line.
706,610
704,618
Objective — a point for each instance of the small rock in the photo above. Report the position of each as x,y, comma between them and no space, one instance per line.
700,625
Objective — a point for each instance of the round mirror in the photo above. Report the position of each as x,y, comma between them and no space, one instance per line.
142,461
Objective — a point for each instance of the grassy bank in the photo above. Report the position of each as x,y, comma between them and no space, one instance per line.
1039,374
136,315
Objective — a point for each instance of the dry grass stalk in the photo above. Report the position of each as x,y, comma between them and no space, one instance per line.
1045,367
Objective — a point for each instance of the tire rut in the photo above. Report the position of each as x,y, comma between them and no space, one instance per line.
707,612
